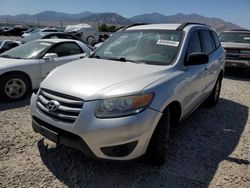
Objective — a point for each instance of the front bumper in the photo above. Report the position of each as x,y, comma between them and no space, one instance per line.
237,63
92,135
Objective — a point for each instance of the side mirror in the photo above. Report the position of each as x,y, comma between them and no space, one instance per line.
50,56
197,58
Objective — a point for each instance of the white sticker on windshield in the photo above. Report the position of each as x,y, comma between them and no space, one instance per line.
246,38
168,42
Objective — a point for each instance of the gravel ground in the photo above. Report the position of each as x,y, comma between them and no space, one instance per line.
211,149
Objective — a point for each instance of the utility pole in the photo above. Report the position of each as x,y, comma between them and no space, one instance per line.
61,24
38,21
7,20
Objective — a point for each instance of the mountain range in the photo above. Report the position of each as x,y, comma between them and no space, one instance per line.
51,18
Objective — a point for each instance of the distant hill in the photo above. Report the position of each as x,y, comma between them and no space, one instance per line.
49,18
109,18
52,18
217,23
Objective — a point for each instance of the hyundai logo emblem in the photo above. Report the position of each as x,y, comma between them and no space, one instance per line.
52,105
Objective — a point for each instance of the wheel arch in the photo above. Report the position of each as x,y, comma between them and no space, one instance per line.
175,110
20,73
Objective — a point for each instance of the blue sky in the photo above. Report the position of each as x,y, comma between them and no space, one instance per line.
236,11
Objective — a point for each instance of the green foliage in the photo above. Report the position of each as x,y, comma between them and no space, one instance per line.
105,28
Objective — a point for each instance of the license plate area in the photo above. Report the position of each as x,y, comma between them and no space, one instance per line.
234,64
53,136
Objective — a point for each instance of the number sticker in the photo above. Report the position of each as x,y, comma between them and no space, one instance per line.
168,43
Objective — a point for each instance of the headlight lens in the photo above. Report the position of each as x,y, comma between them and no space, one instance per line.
123,106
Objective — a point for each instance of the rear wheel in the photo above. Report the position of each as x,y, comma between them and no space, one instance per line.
14,87
159,143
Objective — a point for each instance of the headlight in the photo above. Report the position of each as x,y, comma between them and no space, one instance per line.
123,106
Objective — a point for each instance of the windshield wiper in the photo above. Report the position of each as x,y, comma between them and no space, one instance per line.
95,56
7,56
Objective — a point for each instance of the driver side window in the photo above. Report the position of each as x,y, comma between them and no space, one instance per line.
194,44
66,49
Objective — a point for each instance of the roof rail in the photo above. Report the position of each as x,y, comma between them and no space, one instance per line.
135,24
183,25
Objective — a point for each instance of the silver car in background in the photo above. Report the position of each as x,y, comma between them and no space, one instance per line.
123,101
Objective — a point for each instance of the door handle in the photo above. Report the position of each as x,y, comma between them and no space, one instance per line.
206,69
81,57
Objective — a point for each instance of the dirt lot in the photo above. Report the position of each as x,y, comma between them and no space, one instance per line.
211,149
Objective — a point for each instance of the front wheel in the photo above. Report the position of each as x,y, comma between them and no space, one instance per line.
14,87
159,143
212,100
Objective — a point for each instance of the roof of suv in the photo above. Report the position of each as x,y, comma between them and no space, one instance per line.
167,26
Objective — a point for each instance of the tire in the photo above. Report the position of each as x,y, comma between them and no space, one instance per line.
212,100
159,143
14,87
90,39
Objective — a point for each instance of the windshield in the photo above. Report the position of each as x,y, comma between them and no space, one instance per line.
235,37
34,36
158,47
30,50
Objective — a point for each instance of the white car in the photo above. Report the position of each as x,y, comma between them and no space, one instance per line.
8,44
24,67
44,30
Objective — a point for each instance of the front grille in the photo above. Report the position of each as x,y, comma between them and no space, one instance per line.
67,111
230,50
236,54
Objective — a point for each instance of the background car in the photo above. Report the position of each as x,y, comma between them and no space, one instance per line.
237,46
15,31
53,35
24,67
8,44
4,29
44,30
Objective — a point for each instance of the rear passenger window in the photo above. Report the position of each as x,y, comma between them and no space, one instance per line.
194,44
206,42
216,39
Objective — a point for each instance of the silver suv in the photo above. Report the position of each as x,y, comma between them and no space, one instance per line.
122,101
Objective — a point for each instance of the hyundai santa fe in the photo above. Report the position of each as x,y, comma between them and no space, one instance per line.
122,101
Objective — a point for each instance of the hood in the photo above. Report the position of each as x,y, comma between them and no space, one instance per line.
92,79
235,45
10,63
